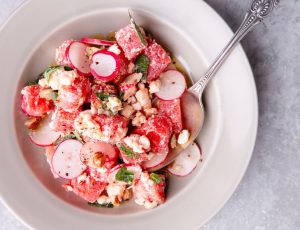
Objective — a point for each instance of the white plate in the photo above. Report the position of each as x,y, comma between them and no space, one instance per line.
195,33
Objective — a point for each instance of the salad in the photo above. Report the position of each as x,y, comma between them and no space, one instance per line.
106,113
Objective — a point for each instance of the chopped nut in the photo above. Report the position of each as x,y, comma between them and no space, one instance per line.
139,119
143,98
137,106
127,194
183,137
127,111
130,92
141,86
150,112
131,100
97,160
130,67
32,123
173,142
154,86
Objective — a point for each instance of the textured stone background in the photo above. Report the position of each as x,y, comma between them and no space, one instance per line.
268,197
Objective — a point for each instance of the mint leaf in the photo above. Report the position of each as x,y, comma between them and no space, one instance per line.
54,95
47,73
137,29
141,64
74,135
103,96
121,95
105,205
156,178
124,175
128,151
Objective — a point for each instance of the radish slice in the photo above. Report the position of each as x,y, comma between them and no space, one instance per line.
185,163
105,65
155,161
90,148
173,85
76,54
97,42
66,161
44,135
135,169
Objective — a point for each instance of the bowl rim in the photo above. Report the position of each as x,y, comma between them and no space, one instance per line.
255,113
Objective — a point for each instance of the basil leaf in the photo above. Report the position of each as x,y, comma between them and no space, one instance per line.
67,68
141,65
156,178
124,175
103,96
105,205
137,29
34,82
128,151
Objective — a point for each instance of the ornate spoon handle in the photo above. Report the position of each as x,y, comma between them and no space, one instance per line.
259,10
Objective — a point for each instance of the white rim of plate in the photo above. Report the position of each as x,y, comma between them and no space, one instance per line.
36,221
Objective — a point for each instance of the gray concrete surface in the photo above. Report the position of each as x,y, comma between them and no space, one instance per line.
268,197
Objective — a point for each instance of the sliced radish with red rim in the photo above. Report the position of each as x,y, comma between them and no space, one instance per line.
66,160
89,149
44,135
185,163
97,42
135,169
173,85
76,54
155,161
105,65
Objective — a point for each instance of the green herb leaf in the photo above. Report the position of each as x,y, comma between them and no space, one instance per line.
124,175
54,95
103,96
128,151
74,135
137,29
105,205
121,95
141,65
156,178
34,82
47,73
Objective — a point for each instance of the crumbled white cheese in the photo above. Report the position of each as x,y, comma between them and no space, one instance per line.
59,78
46,93
154,86
183,137
85,125
127,111
68,188
115,49
103,200
114,104
81,178
139,119
143,98
91,50
115,190
150,205
137,143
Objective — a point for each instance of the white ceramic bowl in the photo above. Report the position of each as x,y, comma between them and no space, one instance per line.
195,34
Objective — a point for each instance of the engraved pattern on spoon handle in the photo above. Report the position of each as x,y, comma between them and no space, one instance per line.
259,10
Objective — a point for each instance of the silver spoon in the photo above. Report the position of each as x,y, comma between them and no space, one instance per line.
191,101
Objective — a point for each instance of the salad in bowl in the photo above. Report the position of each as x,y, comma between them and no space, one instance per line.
107,112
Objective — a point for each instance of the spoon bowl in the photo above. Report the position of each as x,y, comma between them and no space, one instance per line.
191,101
